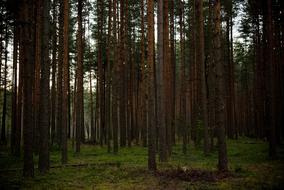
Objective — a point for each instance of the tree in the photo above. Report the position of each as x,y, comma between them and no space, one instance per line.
150,83
26,15
44,93
115,81
201,62
79,73
219,96
65,82
54,64
14,87
4,109
160,86
271,81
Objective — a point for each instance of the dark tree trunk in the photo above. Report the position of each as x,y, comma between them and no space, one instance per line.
26,11
219,96
65,82
44,102
150,84
79,101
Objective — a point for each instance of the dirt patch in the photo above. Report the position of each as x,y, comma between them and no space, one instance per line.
193,175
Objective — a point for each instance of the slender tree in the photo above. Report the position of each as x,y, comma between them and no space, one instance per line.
79,94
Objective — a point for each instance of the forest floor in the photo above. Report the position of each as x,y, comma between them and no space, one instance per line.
94,168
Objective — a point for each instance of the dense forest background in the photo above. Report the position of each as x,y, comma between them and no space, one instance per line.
127,73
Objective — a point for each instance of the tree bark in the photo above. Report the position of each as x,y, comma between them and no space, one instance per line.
219,96
151,96
44,102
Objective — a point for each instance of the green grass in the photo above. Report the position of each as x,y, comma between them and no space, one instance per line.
248,161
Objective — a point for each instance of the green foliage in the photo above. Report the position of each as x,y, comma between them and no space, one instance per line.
248,162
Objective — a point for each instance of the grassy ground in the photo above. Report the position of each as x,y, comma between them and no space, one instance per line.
248,162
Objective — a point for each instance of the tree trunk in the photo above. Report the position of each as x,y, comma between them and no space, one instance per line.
65,81
79,101
160,86
54,61
201,60
219,96
26,11
14,89
151,96
4,109
44,102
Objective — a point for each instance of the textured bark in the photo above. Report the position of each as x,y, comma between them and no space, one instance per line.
201,62
121,85
182,81
108,79
115,82
173,73
101,73
219,96
44,103
93,135
54,64
271,81
26,15
60,75
142,124
79,94
65,82
160,86
211,79
150,85
167,77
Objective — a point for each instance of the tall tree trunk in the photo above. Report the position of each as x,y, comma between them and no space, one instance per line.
211,79
108,78
201,60
54,63
182,81
79,101
14,88
150,85
101,73
115,82
173,72
271,81
167,76
65,82
44,101
219,96
26,15
4,109
160,86
59,75
36,85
